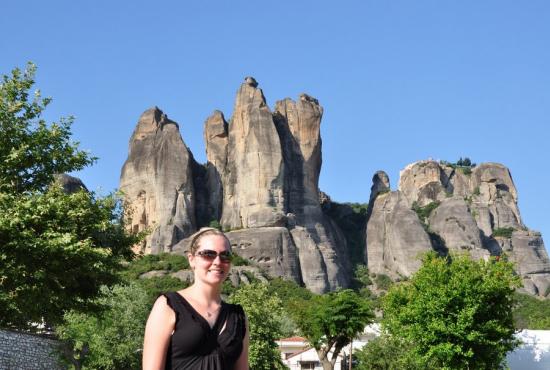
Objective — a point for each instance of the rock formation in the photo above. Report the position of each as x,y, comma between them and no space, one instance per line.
446,208
253,182
157,182
69,183
260,183
215,136
320,245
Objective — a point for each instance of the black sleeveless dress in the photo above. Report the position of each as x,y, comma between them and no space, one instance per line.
196,346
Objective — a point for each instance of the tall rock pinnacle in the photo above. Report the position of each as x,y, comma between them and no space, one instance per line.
253,193
157,182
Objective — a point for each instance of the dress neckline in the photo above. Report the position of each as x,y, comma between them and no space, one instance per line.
201,317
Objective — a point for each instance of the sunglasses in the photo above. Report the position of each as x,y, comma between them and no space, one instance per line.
210,255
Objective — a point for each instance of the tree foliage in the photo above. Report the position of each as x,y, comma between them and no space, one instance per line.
56,249
531,312
331,321
31,150
112,339
455,312
387,352
263,311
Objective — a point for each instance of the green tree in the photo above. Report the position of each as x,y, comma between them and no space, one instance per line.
31,150
289,292
386,352
531,312
114,338
455,312
263,311
56,249
331,321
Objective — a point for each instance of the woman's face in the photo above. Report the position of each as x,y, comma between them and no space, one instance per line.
209,266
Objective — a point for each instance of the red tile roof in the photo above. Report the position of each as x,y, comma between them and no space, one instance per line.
293,339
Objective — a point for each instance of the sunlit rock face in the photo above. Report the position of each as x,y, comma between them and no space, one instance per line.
157,182
395,237
260,184
253,183
459,209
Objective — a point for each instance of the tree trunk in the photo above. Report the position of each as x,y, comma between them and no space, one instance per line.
327,365
323,357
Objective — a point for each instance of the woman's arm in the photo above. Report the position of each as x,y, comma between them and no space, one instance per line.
159,328
242,361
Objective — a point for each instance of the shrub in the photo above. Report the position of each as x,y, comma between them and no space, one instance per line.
215,224
240,261
466,170
424,212
503,232
164,261
383,281
531,312
455,312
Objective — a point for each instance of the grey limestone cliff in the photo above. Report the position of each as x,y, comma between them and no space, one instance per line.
260,184
253,180
156,180
453,208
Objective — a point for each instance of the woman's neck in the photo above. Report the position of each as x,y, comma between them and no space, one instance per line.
205,293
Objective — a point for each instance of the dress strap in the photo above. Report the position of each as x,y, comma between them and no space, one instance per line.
175,303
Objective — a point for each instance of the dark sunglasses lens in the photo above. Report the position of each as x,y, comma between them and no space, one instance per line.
211,255
226,256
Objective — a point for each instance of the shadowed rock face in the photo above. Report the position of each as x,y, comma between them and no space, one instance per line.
322,252
467,207
215,136
69,184
454,223
395,237
156,180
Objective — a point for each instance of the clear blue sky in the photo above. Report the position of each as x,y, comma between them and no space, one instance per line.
400,81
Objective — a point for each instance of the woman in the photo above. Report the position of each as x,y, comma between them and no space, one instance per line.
193,328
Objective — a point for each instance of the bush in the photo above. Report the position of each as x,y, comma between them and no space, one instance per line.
386,353
383,282
424,212
164,261
466,170
455,312
215,224
531,312
240,261
504,232
155,286
263,312
114,338
288,291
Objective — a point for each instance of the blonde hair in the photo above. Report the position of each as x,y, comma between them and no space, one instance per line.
205,231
